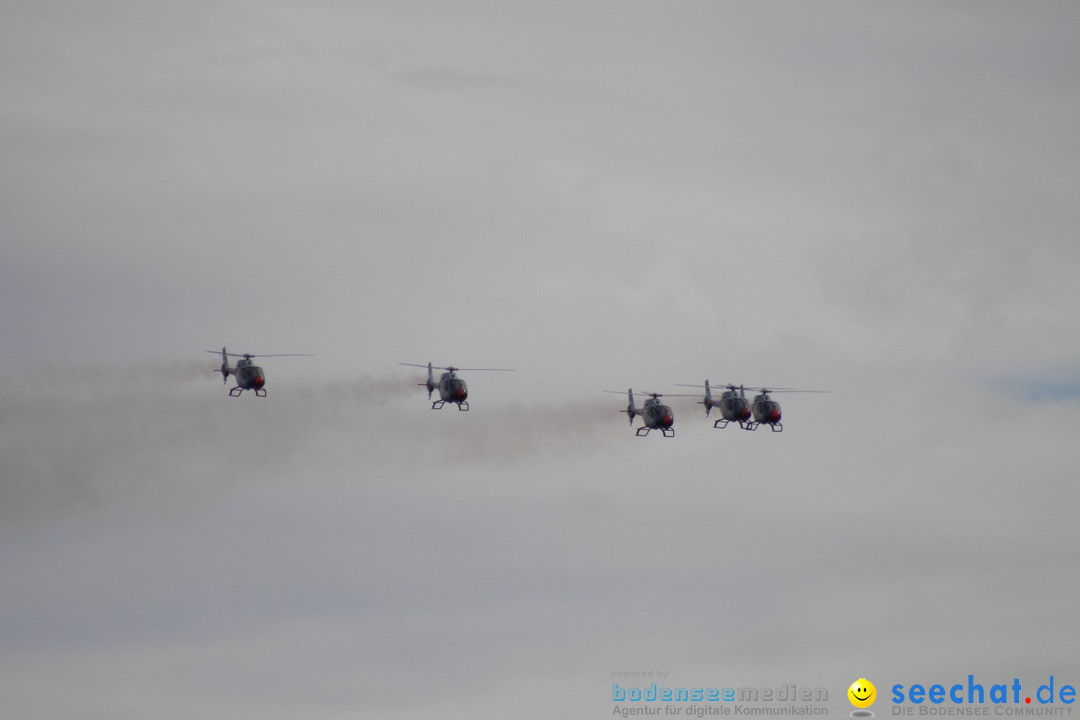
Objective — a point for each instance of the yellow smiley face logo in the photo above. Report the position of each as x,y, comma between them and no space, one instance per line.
862,693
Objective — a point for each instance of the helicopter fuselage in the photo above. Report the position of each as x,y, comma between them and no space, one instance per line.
656,415
734,407
767,411
453,389
249,376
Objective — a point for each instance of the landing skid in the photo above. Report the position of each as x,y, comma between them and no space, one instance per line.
236,391
438,405
776,427
721,424
666,432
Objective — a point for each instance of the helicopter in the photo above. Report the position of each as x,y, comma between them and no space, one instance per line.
452,389
249,376
734,407
766,411
655,414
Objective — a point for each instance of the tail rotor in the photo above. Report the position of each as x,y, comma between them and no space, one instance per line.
631,411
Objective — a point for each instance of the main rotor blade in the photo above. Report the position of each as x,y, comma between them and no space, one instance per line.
770,390
451,368
283,355
733,386
482,369
251,355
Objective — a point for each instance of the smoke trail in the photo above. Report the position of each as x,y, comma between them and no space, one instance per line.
156,434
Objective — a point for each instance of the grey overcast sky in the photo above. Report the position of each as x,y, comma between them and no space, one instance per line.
876,199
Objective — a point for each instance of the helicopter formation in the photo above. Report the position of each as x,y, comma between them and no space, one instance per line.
733,404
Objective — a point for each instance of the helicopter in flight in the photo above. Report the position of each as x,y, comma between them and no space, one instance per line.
452,389
249,376
734,407
655,414
766,411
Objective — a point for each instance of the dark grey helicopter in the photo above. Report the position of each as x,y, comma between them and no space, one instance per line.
249,376
766,411
734,407
655,414
452,389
